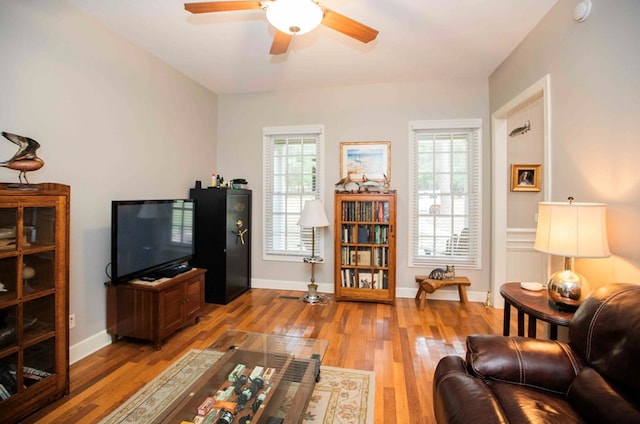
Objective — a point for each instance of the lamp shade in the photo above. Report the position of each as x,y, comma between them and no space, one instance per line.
313,215
294,16
576,230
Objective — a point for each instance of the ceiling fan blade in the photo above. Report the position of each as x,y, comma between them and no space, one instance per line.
348,26
221,6
280,43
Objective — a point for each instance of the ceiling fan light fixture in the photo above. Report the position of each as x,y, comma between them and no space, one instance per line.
294,16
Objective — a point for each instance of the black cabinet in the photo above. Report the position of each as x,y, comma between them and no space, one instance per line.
223,241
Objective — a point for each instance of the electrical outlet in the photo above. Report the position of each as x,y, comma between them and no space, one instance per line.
72,320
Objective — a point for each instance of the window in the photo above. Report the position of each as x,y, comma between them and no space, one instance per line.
292,163
182,222
445,172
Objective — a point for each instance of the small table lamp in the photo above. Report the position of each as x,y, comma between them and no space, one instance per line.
313,216
572,230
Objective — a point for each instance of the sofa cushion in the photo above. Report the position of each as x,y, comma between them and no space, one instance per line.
606,332
523,405
540,364
593,396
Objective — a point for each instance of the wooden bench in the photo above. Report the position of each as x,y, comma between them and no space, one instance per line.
428,285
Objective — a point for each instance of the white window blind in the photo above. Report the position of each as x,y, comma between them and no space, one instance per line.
182,222
445,201
292,164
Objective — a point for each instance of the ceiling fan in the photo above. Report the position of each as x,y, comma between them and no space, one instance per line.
291,17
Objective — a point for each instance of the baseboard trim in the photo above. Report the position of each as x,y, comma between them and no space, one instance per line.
88,346
403,292
96,342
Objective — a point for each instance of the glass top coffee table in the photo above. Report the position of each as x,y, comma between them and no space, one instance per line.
260,378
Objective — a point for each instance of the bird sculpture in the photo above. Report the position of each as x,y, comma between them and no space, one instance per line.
386,184
346,185
25,159
340,184
368,185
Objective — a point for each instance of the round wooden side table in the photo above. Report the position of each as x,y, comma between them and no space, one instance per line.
536,305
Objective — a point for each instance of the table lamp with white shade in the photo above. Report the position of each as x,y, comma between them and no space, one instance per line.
572,230
313,216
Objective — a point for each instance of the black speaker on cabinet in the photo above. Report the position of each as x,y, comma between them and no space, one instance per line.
223,241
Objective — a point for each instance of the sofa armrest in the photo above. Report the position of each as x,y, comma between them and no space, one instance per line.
541,364
459,398
594,397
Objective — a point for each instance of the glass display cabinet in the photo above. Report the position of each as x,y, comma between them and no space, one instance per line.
365,247
34,252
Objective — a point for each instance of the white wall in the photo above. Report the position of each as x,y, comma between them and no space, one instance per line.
113,122
356,113
595,110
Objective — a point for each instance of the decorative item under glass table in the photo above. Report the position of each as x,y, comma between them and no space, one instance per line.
261,378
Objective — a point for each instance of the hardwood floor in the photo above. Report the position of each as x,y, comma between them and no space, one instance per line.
401,343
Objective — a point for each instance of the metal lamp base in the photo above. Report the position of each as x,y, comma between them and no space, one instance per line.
567,289
312,295
312,299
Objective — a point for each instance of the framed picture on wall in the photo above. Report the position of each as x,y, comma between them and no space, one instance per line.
525,177
370,159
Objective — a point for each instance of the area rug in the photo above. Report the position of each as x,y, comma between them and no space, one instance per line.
342,396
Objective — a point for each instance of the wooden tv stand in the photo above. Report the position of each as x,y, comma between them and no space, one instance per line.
154,311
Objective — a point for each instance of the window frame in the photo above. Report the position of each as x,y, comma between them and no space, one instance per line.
474,174
268,135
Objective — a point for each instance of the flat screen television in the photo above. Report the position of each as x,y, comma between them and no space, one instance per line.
149,238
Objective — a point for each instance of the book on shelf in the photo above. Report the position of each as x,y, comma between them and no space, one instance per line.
363,234
346,256
381,256
8,378
381,234
384,279
35,372
347,236
348,277
4,393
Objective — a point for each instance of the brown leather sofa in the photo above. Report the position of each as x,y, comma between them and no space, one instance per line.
594,378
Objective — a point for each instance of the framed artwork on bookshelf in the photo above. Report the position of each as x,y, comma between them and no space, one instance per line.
361,257
525,177
367,280
370,159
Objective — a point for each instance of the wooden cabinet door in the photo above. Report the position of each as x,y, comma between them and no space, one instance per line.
194,293
172,305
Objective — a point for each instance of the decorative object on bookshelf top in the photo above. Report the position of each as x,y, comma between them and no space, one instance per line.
24,160
346,185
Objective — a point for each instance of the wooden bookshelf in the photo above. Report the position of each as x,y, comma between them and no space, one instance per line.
365,247
34,309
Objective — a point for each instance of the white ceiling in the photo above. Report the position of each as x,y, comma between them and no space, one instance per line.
228,52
